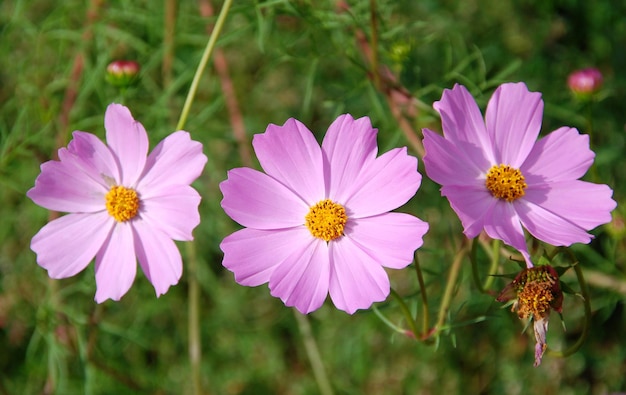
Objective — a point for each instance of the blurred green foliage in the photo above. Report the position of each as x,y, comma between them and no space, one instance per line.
297,59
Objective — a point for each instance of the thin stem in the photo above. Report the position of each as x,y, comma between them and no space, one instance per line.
420,280
447,296
313,354
407,313
495,260
202,65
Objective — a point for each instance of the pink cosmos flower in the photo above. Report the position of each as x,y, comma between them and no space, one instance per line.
497,177
123,205
318,221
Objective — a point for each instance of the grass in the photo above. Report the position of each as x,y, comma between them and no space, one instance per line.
299,59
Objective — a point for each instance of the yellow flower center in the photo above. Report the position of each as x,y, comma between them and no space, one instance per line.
122,203
505,182
326,220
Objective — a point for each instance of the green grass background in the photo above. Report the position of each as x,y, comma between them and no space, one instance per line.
297,59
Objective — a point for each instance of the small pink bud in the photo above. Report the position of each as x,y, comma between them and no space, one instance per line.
585,82
122,72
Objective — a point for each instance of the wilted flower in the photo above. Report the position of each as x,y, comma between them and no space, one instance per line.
497,177
584,83
122,73
317,220
535,291
123,205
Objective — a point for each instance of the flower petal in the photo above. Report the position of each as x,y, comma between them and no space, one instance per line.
503,222
129,142
384,184
390,238
471,204
158,256
301,280
116,264
174,211
252,255
349,145
258,201
176,160
463,125
357,280
66,245
513,121
448,164
93,157
561,155
291,155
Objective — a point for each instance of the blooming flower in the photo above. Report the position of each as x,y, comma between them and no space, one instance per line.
585,82
317,220
123,205
498,178
535,292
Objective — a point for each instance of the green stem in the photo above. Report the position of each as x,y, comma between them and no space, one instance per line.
495,260
420,280
448,293
313,354
407,313
202,65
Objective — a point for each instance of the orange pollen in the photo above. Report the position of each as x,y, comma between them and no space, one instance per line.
122,203
534,300
505,182
326,220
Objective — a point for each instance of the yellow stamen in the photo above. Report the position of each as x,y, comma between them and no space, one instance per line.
326,220
122,203
505,182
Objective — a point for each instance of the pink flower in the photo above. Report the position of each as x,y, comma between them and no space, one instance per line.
317,220
585,82
497,177
123,205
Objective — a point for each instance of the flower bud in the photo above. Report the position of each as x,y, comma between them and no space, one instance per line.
584,83
122,73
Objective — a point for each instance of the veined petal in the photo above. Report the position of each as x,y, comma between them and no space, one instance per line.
176,160
385,184
356,280
291,155
129,142
66,245
561,155
61,186
390,238
252,255
158,256
551,228
463,124
448,164
349,145
301,280
258,201
116,264
88,153
584,204
470,204
503,222
174,211
513,121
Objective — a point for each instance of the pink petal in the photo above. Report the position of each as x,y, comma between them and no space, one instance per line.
62,186
258,201
385,184
174,211
390,238
502,222
301,280
357,280
562,155
349,145
513,122
252,255
176,160
66,245
471,204
158,256
93,157
291,155
448,164
463,124
116,264
583,203
128,140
